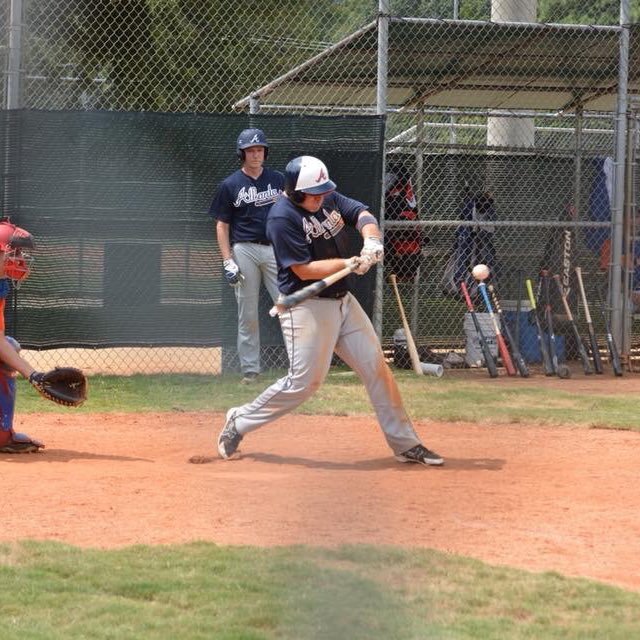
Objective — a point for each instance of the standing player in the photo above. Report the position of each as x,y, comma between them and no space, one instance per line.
240,208
14,265
307,227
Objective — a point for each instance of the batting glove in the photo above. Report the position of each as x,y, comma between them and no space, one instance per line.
360,264
373,248
232,272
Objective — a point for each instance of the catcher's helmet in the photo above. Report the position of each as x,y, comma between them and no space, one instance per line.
306,174
251,138
14,243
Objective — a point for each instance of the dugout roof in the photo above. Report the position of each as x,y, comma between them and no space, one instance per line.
463,64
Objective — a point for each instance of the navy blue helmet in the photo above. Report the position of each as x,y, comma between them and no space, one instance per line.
251,138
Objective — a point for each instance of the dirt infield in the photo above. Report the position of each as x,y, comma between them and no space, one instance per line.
537,498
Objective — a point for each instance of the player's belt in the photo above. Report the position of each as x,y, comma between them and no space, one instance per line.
337,295
262,242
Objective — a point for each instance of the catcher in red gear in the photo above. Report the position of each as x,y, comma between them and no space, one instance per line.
15,266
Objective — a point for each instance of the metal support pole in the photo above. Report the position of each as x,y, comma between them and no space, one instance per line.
14,76
13,92
617,208
381,110
420,200
254,105
629,239
577,167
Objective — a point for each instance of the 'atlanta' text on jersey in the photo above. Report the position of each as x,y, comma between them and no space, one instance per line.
327,228
255,197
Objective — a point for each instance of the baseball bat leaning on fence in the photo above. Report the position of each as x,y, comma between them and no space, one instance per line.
286,302
561,370
489,362
502,345
544,349
411,345
593,341
614,354
518,307
521,365
582,352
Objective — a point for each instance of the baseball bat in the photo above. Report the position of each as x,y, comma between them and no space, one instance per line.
291,300
593,341
614,354
502,345
582,352
561,370
411,345
521,365
544,350
490,363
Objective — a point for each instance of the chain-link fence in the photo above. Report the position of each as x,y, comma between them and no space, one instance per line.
510,137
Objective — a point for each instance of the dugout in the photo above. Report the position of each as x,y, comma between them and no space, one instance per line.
422,72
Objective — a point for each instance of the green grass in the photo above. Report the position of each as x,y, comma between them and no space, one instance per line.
203,591
200,590
447,399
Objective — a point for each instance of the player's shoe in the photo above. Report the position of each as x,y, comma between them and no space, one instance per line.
249,378
229,438
421,455
21,443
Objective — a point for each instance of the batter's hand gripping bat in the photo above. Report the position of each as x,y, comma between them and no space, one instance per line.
544,349
561,370
614,354
286,302
582,352
502,345
521,365
489,361
411,345
593,341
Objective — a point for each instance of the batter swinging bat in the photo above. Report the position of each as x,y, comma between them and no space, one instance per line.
521,365
411,345
286,302
561,370
595,350
614,354
490,363
582,352
542,343
502,345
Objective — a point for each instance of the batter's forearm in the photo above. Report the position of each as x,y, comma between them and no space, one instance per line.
318,269
367,225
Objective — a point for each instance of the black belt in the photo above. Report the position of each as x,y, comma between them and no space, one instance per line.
337,295
264,243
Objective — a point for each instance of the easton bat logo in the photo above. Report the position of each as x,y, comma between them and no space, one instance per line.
566,262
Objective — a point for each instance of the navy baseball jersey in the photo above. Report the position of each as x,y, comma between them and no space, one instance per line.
300,237
243,203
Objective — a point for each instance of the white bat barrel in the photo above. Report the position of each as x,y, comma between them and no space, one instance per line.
429,369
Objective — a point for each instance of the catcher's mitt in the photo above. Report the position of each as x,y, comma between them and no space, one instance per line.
63,385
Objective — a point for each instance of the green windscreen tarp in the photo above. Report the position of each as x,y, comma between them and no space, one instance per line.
118,204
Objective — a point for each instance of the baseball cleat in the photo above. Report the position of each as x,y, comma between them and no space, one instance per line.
229,438
21,443
421,455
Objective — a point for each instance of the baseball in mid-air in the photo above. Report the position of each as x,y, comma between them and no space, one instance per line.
480,272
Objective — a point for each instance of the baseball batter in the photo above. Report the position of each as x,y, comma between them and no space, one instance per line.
240,208
14,265
308,229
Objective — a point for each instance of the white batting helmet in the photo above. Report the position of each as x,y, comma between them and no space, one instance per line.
306,174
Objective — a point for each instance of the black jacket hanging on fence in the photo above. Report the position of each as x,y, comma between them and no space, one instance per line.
473,245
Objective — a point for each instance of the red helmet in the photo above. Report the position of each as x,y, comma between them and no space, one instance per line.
15,243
